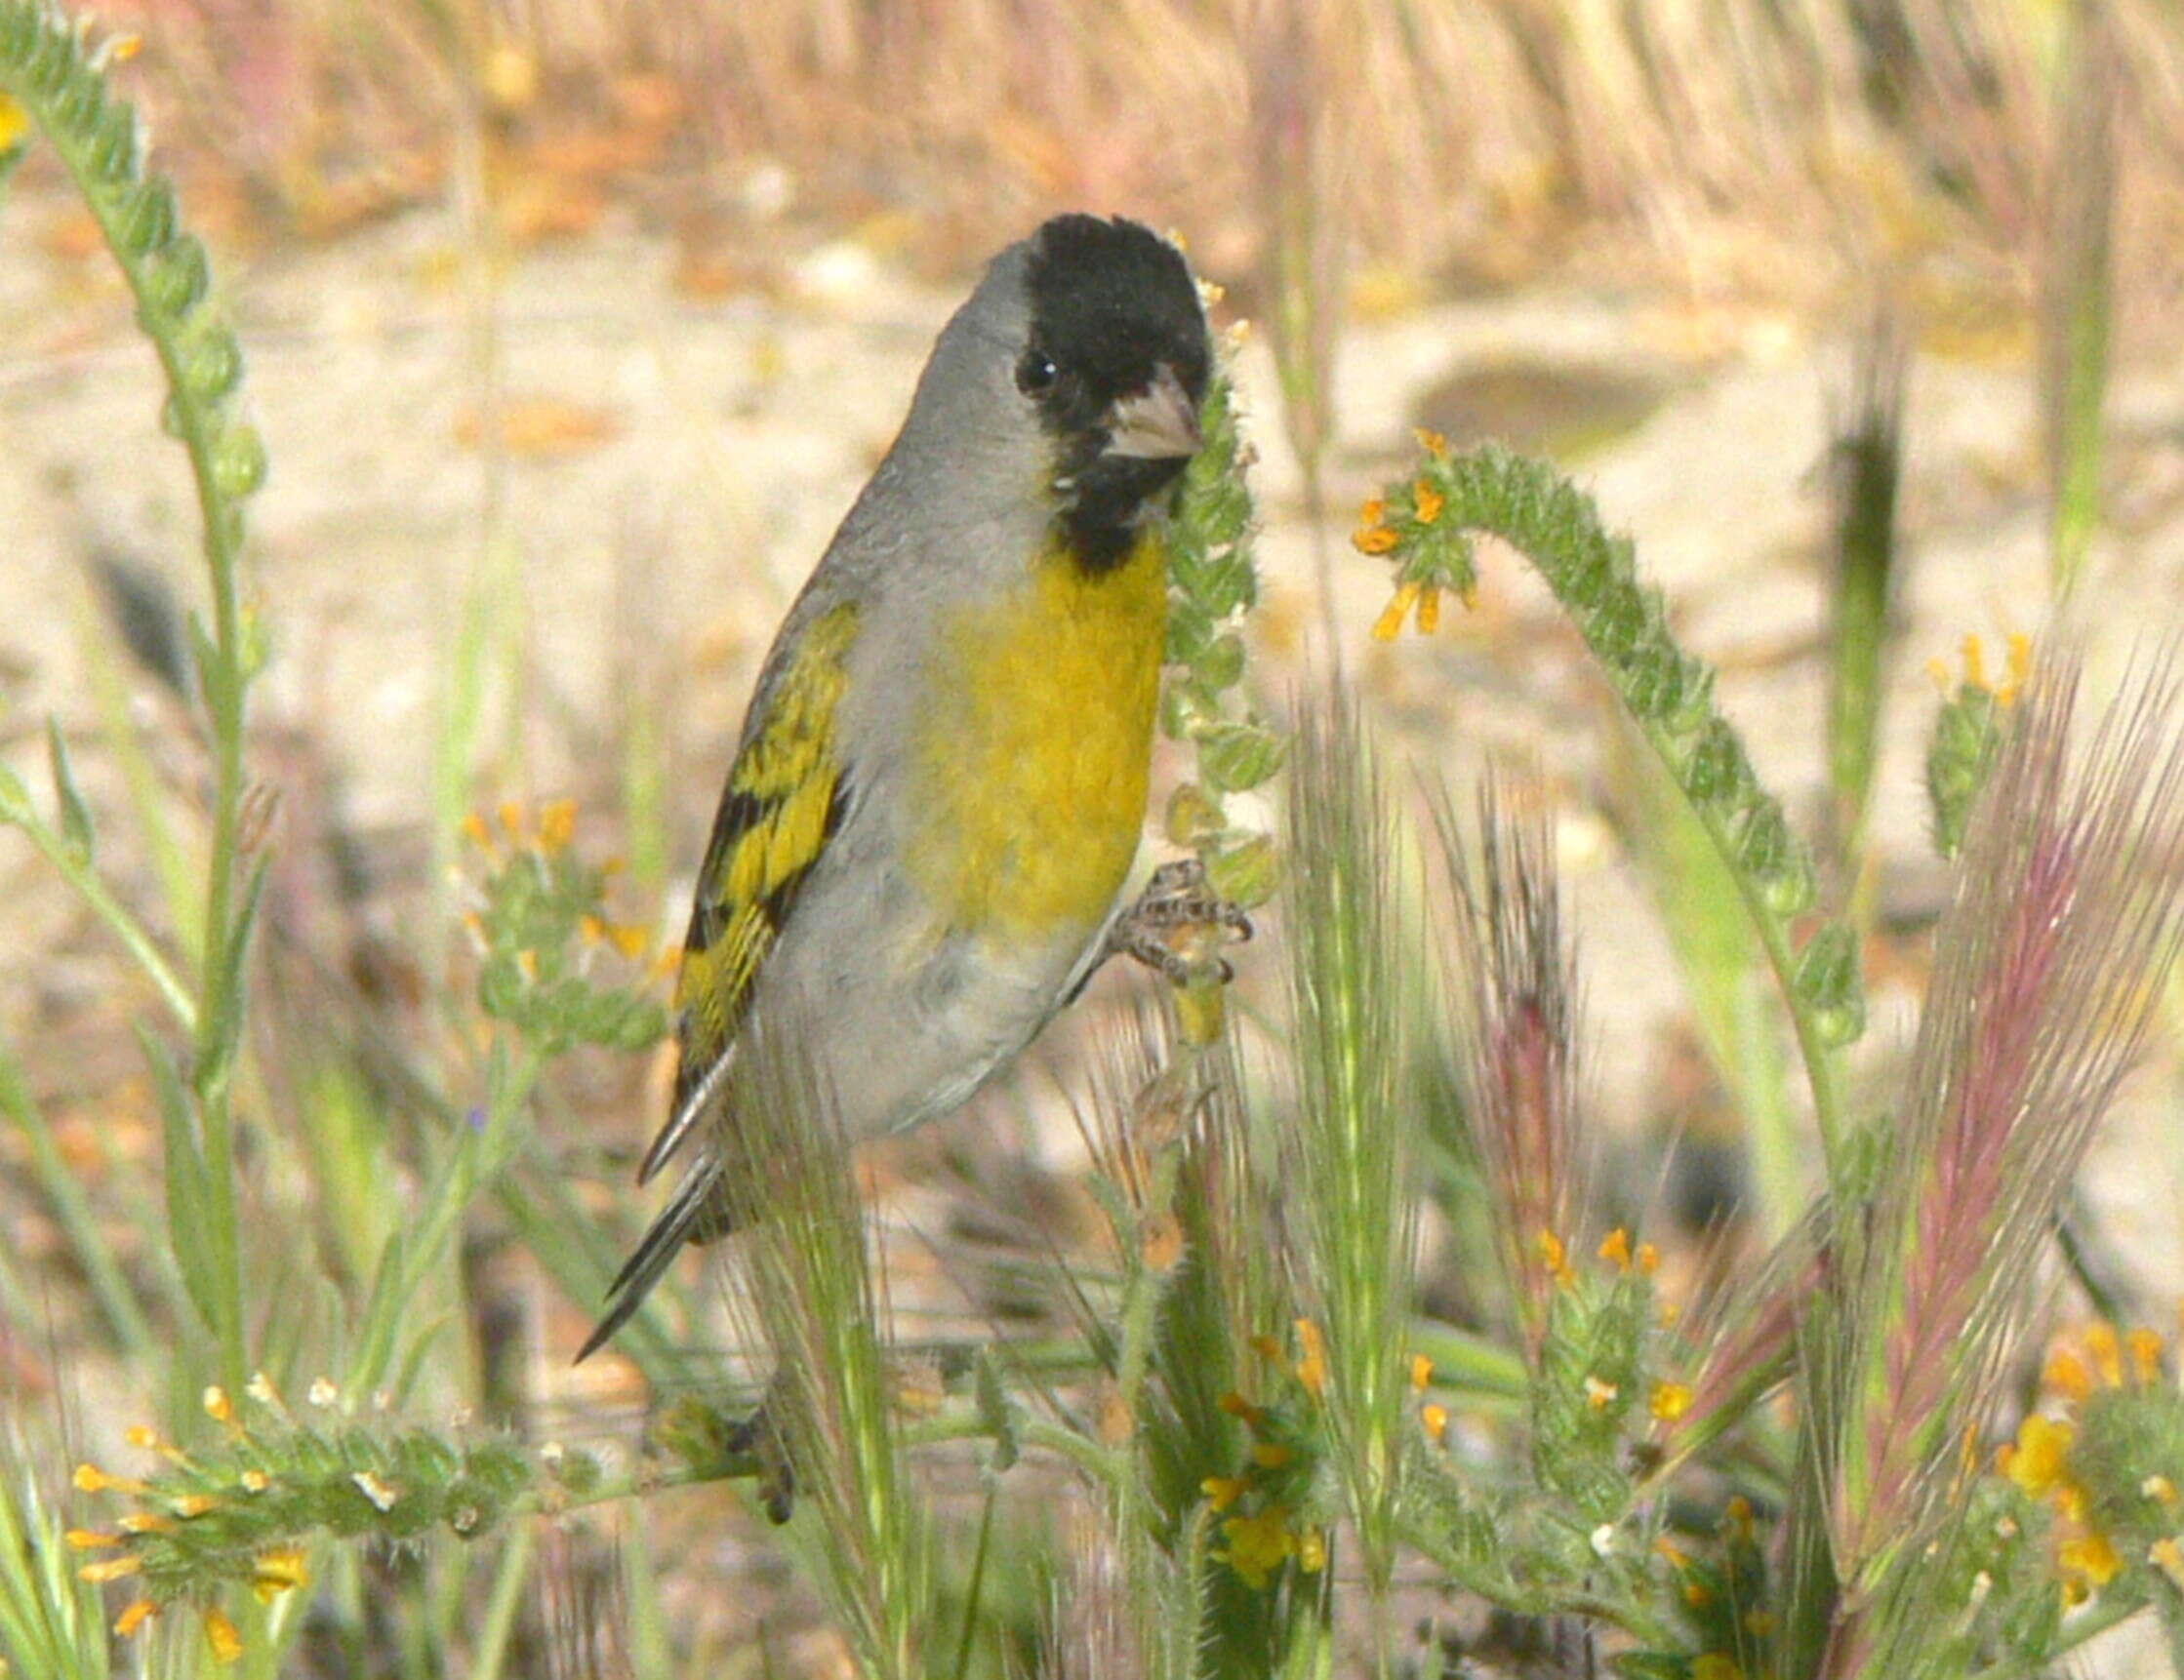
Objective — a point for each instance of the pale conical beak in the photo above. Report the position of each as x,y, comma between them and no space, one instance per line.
1160,424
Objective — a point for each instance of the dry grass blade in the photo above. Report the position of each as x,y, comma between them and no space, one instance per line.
1512,973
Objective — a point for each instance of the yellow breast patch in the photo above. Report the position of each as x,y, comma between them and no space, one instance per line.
1038,741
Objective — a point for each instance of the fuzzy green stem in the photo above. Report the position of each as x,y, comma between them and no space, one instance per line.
1669,696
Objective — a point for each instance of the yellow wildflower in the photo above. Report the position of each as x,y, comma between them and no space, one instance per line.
1258,1546
1428,610
1377,540
220,1635
1432,442
2017,666
1648,1261
2168,1556
217,1406
1615,1249
2092,1556
2065,1373
1434,1421
91,1479
1599,1394
1553,1256
14,123
557,824
1312,1551
1427,502
90,1539
1421,1372
1241,1409
109,1569
134,1617
2159,1489
197,1504
475,832
1222,1492
278,1571
1390,625
2106,1350
2035,1462
147,1523
1312,1365
2146,1354
1669,1401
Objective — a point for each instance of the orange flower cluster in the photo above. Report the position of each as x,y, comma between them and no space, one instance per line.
2042,1461
1267,1530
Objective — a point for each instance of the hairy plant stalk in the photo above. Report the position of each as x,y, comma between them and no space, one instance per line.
1351,1149
814,1296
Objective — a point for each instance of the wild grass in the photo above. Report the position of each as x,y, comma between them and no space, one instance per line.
1236,1434
1524,119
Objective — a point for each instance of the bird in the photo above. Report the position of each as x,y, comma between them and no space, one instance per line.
941,782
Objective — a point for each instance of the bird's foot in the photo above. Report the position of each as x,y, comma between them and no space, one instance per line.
1178,923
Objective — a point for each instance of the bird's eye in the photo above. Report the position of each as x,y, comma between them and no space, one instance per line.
1035,374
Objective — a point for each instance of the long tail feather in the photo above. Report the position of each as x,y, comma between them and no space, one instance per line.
681,1220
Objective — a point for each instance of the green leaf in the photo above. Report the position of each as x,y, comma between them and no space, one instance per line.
227,1032
75,815
14,799
1246,873
1237,756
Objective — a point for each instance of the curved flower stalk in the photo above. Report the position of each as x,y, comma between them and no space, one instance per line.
1426,526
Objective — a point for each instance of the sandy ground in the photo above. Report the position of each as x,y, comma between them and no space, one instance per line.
706,447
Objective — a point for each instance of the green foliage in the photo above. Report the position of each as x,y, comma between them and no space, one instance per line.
1960,757
1250,1378
1213,582
543,935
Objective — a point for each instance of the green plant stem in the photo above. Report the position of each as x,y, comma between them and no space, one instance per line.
1818,1056
507,1600
98,146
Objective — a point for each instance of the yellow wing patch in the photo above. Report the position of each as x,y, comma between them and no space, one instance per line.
782,803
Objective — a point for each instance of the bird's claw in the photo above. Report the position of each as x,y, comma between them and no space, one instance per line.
1173,923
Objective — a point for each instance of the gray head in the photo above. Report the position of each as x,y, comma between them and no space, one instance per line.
1083,355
